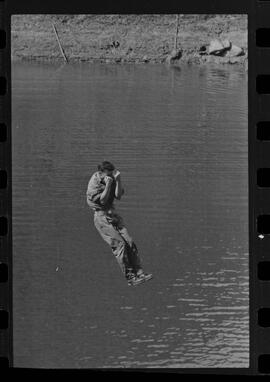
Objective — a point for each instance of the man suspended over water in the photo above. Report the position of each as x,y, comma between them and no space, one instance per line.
105,186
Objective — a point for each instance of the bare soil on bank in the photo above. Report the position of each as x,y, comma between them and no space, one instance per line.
126,38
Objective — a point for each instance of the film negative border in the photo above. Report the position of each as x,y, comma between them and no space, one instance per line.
262,194
5,202
259,184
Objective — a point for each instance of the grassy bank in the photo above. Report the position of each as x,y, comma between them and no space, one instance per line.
125,38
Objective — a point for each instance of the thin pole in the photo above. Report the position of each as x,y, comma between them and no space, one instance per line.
59,43
176,32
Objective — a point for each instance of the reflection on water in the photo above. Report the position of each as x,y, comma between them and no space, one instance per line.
179,138
199,320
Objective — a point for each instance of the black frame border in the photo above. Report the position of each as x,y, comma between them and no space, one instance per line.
258,12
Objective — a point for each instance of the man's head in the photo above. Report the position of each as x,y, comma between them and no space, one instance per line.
106,167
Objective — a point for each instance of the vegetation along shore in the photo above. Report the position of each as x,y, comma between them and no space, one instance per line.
172,39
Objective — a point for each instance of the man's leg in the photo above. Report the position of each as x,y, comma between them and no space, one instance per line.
134,258
118,245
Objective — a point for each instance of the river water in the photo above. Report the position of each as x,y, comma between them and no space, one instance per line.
179,138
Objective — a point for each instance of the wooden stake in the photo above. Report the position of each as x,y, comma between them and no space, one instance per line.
176,33
59,43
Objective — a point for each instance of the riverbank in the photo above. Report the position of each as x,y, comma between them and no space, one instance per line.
128,38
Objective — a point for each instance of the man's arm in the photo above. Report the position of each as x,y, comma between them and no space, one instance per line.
105,194
119,191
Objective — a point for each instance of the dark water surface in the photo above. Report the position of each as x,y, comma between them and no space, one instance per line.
179,138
